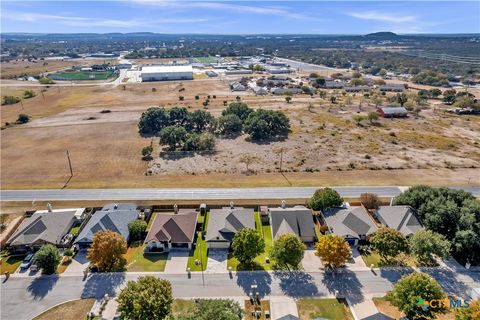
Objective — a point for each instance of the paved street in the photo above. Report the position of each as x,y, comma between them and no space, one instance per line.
194,193
25,297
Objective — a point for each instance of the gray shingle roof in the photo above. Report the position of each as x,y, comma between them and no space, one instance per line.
394,110
349,222
401,218
43,226
297,220
224,223
175,228
108,218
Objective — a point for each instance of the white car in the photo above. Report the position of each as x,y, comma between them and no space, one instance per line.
27,261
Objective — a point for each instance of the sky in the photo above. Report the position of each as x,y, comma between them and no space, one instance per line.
240,17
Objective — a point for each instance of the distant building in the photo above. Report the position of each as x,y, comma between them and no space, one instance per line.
277,70
356,88
211,74
260,91
392,112
392,87
242,71
237,86
165,73
127,66
285,90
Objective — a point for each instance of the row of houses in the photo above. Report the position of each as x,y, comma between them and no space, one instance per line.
178,228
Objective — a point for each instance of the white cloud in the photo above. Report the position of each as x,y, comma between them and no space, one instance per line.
381,16
76,21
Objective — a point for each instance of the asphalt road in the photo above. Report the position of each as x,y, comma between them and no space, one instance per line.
24,298
194,193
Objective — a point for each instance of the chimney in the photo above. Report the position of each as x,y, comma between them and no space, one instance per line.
283,204
115,206
175,208
49,207
231,205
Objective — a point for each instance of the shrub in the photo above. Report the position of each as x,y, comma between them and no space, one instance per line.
7,100
23,118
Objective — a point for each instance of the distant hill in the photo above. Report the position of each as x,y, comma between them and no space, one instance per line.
382,35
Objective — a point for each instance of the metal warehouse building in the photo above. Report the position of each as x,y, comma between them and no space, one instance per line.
165,73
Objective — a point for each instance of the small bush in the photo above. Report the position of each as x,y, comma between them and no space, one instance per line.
23,118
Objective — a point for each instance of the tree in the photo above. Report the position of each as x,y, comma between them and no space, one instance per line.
199,120
206,141
288,99
358,118
239,109
325,198
3,220
107,250
23,118
449,96
246,245
153,120
288,250
10,100
147,151
411,293
464,102
372,116
27,94
248,159
389,242
425,243
230,124
370,200
401,98
333,99
470,313
147,298
173,136
333,250
137,229
47,258
218,309
264,124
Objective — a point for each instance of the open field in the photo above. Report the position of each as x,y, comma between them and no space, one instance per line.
17,68
83,75
325,146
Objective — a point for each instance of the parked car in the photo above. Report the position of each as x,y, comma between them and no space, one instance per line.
33,268
27,261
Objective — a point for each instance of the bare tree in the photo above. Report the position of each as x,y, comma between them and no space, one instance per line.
248,159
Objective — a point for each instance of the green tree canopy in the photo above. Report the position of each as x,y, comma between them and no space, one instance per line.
425,243
239,109
288,250
173,136
247,244
230,124
325,198
411,291
147,298
137,229
218,309
389,242
47,258
264,124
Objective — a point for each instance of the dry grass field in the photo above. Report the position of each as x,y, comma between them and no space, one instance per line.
325,147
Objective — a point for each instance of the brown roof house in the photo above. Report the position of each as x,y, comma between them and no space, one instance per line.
173,230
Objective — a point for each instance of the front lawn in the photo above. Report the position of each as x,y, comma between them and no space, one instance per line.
72,310
200,249
384,306
10,263
138,261
74,230
264,306
331,309
259,262
404,260
182,307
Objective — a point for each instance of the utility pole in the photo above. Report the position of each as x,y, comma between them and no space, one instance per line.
69,164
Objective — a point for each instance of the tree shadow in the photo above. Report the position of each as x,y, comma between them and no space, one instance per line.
41,286
393,274
263,280
177,155
99,284
447,280
344,283
279,138
296,283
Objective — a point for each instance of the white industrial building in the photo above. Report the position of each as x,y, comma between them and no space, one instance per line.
165,73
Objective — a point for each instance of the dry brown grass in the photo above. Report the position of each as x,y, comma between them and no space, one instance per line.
388,309
68,311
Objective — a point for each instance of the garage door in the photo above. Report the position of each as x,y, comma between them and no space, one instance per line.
351,242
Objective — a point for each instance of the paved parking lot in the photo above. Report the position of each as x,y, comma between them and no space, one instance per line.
177,261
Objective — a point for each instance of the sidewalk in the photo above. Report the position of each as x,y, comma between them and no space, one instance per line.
366,309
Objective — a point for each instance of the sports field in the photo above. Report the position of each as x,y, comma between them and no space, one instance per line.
84,75
209,59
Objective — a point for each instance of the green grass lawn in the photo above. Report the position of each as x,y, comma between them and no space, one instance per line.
372,258
200,250
206,59
332,309
74,230
182,307
10,263
138,261
84,75
259,262
401,260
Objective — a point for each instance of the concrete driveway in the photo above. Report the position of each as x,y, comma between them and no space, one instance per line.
79,263
311,262
283,308
366,309
217,261
356,262
177,261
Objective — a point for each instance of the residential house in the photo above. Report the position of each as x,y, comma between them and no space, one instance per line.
172,230
259,91
224,223
351,223
392,87
237,86
356,88
112,217
285,90
392,112
297,220
401,218
45,227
